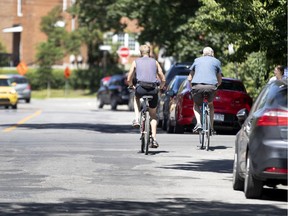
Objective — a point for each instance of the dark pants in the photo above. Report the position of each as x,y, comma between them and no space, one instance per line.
141,91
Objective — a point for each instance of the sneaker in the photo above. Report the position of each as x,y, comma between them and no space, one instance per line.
197,128
135,124
154,144
212,132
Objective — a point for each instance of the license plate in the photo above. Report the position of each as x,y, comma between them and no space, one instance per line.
218,117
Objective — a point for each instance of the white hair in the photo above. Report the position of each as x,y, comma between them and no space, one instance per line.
208,51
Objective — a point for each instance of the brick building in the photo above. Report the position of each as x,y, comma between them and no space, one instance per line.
20,29
20,26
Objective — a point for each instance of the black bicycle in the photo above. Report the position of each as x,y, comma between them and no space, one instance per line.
145,127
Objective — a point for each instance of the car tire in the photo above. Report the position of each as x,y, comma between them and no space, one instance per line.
101,104
164,124
14,106
113,103
252,187
179,129
27,100
238,183
169,127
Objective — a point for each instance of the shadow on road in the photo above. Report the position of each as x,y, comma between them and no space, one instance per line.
219,166
179,206
103,128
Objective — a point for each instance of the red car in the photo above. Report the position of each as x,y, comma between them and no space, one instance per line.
231,97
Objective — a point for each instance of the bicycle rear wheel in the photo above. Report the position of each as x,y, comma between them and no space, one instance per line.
147,132
207,131
142,130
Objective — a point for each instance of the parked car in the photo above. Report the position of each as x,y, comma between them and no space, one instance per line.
114,92
231,97
166,97
22,86
179,68
8,94
261,144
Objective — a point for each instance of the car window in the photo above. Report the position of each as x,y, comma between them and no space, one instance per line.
4,82
261,100
232,85
278,95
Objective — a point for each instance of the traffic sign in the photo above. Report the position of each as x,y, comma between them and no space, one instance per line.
123,52
22,68
67,72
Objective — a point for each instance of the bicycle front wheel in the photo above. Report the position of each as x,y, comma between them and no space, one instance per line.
147,132
207,131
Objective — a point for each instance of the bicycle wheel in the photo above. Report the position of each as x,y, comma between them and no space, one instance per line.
147,132
207,131
202,132
142,130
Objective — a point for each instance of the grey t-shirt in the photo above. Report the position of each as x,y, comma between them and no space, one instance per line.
206,69
146,69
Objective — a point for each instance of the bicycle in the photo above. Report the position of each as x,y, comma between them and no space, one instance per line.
145,128
205,133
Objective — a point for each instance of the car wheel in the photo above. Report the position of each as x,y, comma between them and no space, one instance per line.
6,107
179,129
101,104
113,103
169,127
252,187
27,100
164,124
238,183
14,106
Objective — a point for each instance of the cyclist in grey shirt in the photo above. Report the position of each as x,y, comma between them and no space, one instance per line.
205,76
146,70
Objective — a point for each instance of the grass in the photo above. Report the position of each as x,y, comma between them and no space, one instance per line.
60,93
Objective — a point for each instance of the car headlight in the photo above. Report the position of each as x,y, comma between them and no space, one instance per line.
12,91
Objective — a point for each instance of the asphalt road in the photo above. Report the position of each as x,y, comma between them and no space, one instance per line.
67,157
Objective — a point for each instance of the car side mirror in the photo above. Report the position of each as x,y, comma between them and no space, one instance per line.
242,115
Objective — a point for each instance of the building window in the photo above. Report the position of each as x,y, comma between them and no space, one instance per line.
19,8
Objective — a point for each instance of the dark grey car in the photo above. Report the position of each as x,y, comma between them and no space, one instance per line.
261,144
22,86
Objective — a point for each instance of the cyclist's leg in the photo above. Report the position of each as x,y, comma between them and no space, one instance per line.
198,100
153,115
212,94
153,123
137,106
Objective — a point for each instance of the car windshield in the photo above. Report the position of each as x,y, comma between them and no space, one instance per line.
232,85
4,82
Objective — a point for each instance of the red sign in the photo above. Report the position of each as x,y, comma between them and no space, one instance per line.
67,72
123,52
22,68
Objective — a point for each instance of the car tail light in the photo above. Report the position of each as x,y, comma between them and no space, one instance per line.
276,170
28,87
275,117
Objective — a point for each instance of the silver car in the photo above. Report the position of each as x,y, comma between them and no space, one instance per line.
22,86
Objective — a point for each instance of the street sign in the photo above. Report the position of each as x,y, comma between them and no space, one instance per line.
123,52
22,68
67,72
